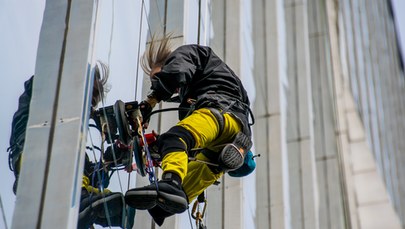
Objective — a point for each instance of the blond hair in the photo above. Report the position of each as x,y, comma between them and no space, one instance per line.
156,54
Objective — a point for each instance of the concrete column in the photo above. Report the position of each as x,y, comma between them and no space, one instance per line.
273,207
56,133
300,130
232,188
365,197
331,208
393,83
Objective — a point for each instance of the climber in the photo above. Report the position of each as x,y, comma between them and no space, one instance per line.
214,116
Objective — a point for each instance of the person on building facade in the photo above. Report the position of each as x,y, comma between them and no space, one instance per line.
214,116
93,201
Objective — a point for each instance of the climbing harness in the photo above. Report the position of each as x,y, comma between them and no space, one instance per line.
139,149
127,132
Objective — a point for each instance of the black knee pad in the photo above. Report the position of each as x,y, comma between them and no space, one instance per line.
170,141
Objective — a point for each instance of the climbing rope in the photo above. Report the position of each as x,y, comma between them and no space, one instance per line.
106,127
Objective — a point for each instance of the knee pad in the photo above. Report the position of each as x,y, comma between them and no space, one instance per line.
174,140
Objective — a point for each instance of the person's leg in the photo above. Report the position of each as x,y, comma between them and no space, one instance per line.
98,206
200,175
198,129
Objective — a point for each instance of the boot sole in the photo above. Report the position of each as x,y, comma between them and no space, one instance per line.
141,199
114,204
233,155
172,203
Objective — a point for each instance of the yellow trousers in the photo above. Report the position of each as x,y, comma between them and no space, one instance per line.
204,127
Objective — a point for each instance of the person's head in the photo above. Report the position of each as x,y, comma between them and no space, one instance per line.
100,87
156,54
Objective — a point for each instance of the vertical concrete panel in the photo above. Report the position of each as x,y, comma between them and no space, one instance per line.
157,16
350,54
296,182
303,71
232,42
233,187
218,18
29,195
233,203
175,17
300,134
215,209
292,75
57,127
324,218
380,54
263,217
309,184
276,73
68,148
390,97
278,175
331,212
370,89
373,22
358,50
262,173
274,60
359,165
335,194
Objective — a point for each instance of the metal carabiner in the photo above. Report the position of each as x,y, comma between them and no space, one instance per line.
197,215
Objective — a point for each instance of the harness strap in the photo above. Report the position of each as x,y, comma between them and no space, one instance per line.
220,119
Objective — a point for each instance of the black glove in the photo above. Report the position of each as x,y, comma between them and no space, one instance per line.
145,109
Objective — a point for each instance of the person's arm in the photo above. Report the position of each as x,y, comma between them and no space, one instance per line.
152,101
146,107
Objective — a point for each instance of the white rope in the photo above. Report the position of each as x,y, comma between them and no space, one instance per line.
112,31
139,48
3,213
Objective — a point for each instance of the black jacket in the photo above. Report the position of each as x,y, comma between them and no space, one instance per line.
196,72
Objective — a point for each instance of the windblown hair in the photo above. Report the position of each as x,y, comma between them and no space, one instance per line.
156,54
101,74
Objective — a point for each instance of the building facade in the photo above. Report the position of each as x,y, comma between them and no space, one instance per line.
326,82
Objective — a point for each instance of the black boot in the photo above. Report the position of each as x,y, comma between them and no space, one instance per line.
233,154
169,195
159,215
97,206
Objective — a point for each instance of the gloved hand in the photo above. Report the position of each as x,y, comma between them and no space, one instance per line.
117,151
145,109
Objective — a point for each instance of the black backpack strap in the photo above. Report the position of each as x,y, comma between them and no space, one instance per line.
219,116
